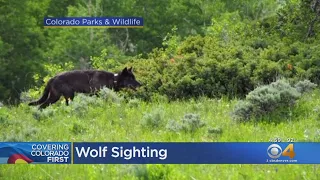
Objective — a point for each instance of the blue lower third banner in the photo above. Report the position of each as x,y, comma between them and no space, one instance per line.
93,22
196,153
158,153
35,152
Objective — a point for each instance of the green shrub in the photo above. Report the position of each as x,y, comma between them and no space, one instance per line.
304,86
269,97
279,95
218,64
133,103
30,132
153,119
149,172
216,130
140,171
259,43
80,104
4,121
243,111
78,128
193,44
174,126
190,123
158,171
25,97
43,114
266,72
15,138
109,95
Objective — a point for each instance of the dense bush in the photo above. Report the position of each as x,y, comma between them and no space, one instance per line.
213,66
209,66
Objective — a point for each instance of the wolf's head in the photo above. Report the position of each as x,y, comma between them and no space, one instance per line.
126,79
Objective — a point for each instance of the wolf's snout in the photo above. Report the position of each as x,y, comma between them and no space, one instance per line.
135,85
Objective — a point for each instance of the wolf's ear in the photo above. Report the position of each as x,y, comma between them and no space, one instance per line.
130,69
125,70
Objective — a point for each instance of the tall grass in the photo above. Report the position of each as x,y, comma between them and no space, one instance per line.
99,119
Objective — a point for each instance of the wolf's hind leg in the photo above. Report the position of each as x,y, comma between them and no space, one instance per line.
67,96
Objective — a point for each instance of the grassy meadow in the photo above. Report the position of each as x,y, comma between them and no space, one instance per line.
113,119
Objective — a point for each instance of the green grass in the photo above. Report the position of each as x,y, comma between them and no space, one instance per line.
111,120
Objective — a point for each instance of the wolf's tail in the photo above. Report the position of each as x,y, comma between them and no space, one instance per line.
44,96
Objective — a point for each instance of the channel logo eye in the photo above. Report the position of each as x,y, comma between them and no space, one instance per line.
274,151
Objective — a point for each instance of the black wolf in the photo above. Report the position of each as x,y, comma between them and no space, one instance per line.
84,81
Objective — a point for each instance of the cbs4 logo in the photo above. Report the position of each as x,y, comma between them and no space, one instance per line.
275,151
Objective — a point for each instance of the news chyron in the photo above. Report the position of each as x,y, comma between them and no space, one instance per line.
274,152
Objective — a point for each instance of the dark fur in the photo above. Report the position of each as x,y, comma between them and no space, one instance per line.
86,81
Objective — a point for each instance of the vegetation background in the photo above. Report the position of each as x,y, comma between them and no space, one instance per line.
210,69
